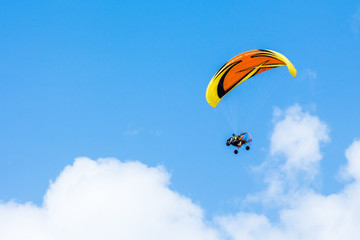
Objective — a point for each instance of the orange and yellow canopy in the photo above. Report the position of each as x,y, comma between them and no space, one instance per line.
241,68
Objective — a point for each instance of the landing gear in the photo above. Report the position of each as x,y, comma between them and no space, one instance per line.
247,147
236,151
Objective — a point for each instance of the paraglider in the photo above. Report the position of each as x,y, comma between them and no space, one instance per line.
241,140
236,71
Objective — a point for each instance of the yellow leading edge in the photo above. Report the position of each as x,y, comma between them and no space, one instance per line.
241,68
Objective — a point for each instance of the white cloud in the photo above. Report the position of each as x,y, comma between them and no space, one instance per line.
107,199
294,158
353,156
248,226
297,136
314,216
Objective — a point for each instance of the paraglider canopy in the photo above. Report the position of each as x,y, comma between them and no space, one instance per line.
241,68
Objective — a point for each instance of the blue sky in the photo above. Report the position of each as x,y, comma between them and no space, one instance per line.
127,80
